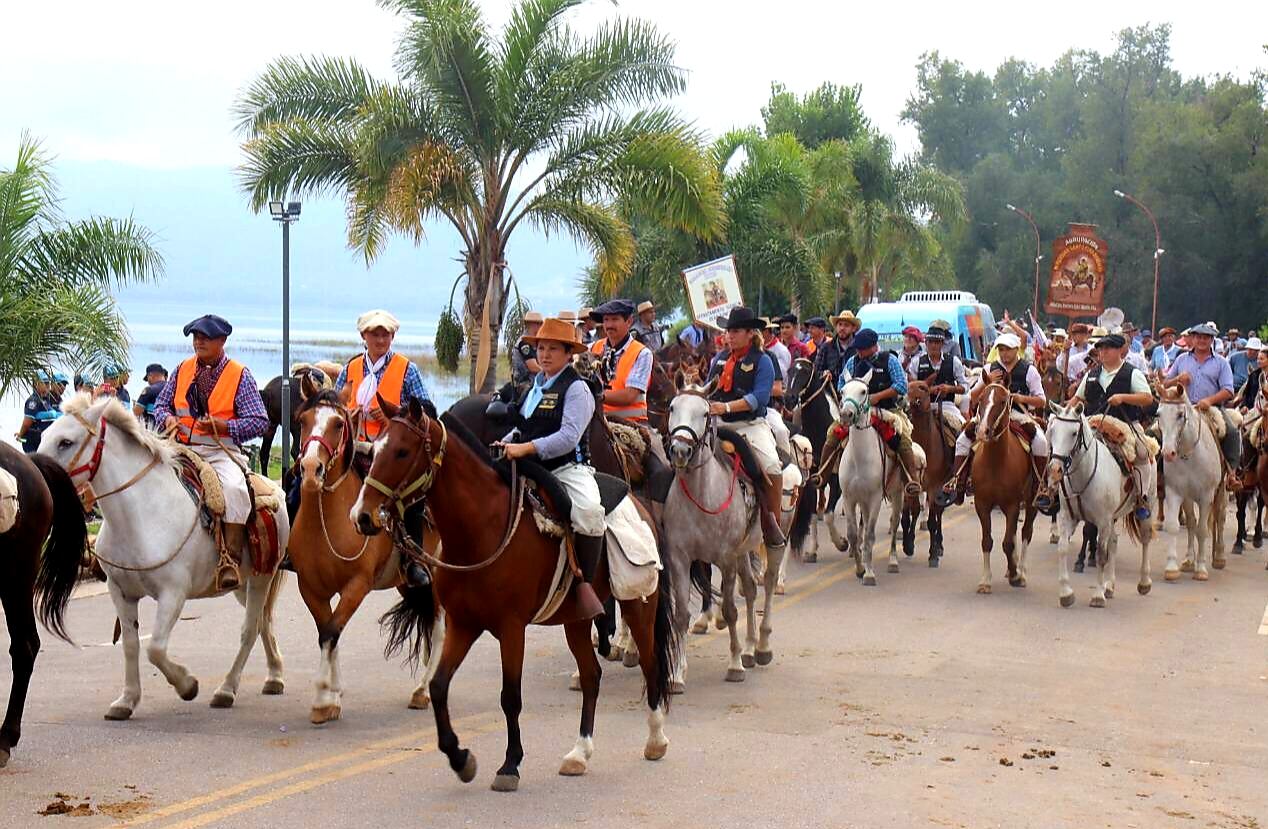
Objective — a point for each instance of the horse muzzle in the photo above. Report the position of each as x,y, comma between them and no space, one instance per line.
367,524
680,453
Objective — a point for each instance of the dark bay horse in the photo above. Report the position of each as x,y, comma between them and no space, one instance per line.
323,374
812,400
479,516
40,550
927,431
1002,479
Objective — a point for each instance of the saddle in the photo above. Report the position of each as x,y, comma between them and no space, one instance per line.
204,488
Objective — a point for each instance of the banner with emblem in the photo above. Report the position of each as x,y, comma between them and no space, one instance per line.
713,289
1076,287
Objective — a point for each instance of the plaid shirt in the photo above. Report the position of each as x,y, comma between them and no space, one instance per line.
250,418
412,387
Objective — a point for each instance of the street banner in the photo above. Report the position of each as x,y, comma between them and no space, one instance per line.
1076,287
713,289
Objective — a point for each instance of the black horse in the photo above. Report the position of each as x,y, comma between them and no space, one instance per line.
271,394
39,564
809,395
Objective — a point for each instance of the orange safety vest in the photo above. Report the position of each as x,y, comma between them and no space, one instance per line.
390,387
638,409
219,406
811,347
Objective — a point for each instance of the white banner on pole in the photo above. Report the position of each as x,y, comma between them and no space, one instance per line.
713,289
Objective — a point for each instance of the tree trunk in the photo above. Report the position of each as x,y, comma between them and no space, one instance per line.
485,285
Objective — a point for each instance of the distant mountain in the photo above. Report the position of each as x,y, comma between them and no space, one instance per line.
217,250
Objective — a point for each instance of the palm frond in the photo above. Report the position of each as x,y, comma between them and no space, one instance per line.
28,199
298,157
599,228
100,251
316,89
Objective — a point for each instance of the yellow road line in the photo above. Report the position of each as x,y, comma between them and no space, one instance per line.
269,779
1263,626
313,782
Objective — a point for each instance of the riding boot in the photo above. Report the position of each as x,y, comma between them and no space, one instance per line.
955,487
1046,501
1138,490
772,502
589,548
234,540
907,456
415,517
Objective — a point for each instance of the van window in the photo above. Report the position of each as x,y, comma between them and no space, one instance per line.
964,352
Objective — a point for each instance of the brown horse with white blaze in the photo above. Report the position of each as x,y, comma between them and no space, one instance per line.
331,557
478,509
1002,479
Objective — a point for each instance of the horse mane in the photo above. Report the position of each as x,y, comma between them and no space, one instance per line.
114,413
534,471
325,397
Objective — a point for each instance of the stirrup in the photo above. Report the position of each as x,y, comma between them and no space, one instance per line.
227,575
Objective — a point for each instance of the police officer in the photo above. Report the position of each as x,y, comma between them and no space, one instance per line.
155,380
38,413
524,365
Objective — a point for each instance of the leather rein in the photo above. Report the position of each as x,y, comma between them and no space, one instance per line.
334,454
93,466
687,435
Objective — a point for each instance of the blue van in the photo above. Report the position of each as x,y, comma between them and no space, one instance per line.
972,322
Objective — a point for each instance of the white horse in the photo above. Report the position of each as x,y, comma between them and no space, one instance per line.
1194,483
1094,490
866,480
151,544
711,516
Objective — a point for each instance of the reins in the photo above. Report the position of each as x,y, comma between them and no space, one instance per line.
696,442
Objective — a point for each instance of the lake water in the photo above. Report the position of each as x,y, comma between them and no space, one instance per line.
316,334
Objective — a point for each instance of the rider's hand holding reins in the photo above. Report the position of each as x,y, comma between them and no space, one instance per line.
515,451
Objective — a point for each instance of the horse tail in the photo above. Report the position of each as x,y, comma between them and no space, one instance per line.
64,549
807,505
270,596
1134,528
667,641
701,579
408,624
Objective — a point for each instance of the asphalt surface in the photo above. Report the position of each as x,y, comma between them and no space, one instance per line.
914,703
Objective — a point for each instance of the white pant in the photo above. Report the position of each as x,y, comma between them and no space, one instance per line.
951,413
587,511
1038,446
761,438
228,469
780,429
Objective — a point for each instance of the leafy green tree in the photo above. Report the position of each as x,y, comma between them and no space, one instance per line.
55,275
829,113
536,125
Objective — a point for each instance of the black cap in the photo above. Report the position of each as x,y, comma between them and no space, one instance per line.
1111,341
741,317
787,318
619,307
817,322
937,332
209,325
153,368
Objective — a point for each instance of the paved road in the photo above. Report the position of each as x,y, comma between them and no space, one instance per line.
914,703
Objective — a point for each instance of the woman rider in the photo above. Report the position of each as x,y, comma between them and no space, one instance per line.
552,417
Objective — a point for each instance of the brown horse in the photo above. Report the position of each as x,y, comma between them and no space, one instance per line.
1003,479
42,538
479,516
329,555
927,432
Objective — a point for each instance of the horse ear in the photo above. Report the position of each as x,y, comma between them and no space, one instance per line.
711,387
415,409
1078,409
307,388
390,411
867,378
1053,408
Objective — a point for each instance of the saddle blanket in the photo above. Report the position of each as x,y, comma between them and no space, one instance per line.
200,479
1122,438
1215,419
8,501
633,560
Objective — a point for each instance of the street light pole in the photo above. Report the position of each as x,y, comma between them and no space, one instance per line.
1038,255
1158,251
285,214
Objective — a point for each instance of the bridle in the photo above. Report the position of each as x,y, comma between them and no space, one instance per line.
412,491
93,466
334,454
1184,405
993,430
687,435
860,419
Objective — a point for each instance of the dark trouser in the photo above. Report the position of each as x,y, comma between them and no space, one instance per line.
1232,443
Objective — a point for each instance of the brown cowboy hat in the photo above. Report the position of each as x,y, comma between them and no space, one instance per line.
560,331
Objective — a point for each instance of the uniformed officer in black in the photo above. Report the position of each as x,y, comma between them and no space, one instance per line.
524,355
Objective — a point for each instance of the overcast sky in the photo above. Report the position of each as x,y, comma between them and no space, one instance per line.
151,82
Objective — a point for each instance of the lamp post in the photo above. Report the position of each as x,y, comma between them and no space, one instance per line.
1038,255
1158,251
285,214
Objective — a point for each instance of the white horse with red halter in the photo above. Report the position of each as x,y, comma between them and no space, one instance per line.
151,544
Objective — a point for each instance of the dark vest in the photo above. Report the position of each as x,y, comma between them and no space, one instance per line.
743,380
548,418
943,375
1015,379
1096,399
881,379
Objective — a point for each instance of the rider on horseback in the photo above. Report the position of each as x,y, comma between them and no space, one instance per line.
745,374
626,364
1207,378
1115,387
886,388
943,372
552,417
1024,384
212,404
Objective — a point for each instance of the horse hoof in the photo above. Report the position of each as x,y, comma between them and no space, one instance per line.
1239,548
1109,592
4,757
191,692
1017,582
735,675
869,581
1201,575
844,546
813,558
468,771
933,561
909,553
630,659
1097,601
719,623
118,713
1257,543
1219,563
1078,566
779,589
1067,601
617,654
323,714
984,589
655,751
677,687
1186,566
764,657
1053,538
510,782
893,568
221,699
574,682
748,660
420,700
1143,589
1171,575
701,627
273,688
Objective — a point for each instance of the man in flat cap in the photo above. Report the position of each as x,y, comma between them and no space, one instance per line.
626,364
213,405
379,372
524,365
645,327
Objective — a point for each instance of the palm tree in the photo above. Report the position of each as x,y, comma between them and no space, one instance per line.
55,276
538,126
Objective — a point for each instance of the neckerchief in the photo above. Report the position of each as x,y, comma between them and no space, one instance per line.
611,356
728,371
369,386
535,392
